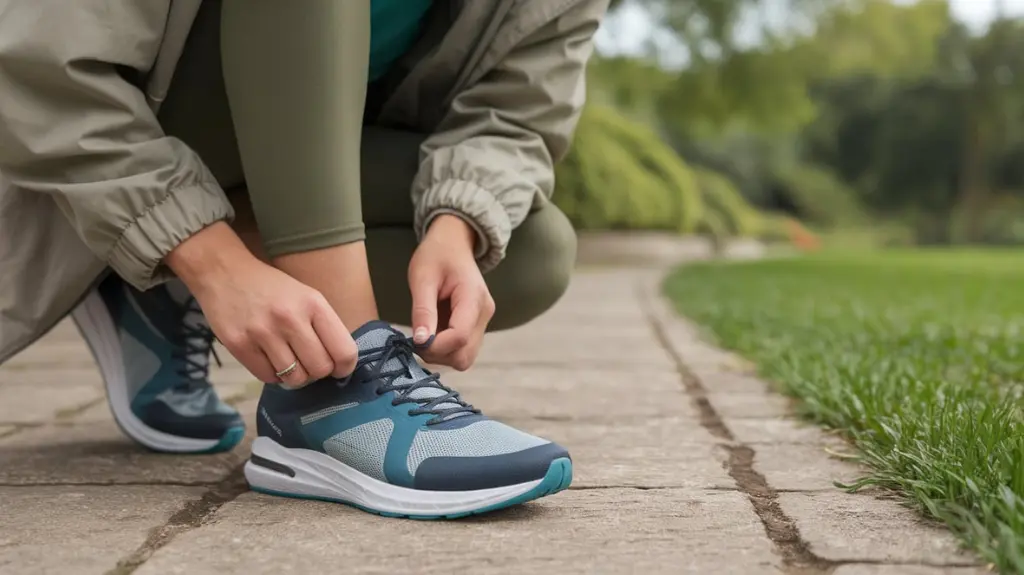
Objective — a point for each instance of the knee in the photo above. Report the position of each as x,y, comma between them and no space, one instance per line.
537,268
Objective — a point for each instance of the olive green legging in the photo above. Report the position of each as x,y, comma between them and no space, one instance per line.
271,95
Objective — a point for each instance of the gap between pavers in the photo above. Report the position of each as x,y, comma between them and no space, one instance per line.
836,527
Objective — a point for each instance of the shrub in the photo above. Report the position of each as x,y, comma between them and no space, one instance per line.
816,196
621,175
725,202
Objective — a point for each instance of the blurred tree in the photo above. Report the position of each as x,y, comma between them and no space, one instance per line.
913,112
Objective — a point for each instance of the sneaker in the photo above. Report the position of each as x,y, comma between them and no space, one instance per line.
390,439
153,349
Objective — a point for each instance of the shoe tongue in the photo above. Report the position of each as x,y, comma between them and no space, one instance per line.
193,318
374,335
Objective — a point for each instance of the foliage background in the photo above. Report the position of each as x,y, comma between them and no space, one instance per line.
848,115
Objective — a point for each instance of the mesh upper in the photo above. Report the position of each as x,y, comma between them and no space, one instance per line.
363,447
480,439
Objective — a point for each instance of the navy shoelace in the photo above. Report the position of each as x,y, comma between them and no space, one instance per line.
398,347
193,346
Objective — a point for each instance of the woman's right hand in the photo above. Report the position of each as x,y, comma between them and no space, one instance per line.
264,317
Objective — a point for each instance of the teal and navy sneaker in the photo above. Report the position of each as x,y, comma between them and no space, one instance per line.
153,349
390,439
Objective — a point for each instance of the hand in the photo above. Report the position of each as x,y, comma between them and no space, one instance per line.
264,317
443,269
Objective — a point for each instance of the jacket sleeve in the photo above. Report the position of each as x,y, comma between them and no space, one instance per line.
73,127
491,159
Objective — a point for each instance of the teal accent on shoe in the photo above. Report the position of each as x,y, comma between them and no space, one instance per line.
228,441
396,467
558,478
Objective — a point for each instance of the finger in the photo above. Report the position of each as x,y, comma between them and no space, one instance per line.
461,360
425,289
465,357
282,357
465,314
310,352
256,362
336,340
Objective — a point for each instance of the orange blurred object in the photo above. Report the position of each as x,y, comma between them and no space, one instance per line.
801,237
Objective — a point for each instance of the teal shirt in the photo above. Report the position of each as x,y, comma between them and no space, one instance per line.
394,26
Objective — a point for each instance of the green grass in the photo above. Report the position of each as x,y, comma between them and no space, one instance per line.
917,355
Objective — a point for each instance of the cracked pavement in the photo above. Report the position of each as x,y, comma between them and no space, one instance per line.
684,463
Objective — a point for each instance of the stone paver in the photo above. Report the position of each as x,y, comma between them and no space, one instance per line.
607,531
803,467
100,453
663,469
907,570
553,394
56,530
732,405
655,453
773,431
861,527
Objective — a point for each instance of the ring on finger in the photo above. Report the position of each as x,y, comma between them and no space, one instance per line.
291,368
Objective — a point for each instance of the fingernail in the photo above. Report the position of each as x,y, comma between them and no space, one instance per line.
420,335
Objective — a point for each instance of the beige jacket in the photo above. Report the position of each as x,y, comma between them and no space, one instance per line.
89,180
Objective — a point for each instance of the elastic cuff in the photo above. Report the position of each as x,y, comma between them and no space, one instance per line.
477,207
318,240
482,244
138,254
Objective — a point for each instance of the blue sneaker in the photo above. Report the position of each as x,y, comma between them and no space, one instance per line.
392,440
153,349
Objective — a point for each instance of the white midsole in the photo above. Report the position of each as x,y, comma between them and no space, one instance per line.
98,329
321,476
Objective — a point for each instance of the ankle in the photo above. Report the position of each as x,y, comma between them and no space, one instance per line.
342,275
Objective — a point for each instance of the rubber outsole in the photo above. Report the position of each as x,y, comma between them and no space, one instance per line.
232,437
557,478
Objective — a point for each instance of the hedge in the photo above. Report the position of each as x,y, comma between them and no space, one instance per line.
621,175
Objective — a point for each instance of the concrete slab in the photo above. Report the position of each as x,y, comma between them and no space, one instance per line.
803,467
571,393
62,394
908,570
567,344
80,530
596,531
863,528
46,354
100,454
774,431
650,453
733,405
729,382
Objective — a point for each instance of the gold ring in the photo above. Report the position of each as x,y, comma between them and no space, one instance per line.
288,369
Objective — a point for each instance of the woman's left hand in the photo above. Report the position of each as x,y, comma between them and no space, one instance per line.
443,270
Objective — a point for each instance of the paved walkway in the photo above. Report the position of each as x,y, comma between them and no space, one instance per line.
684,464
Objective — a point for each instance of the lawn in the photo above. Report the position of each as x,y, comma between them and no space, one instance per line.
916,355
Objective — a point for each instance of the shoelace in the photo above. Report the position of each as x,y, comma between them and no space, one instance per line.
190,343
402,348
